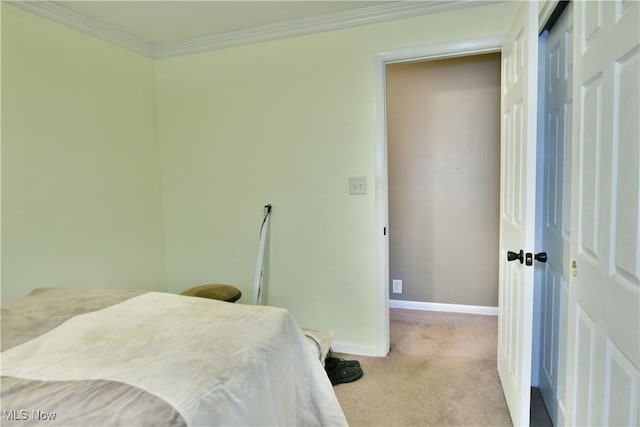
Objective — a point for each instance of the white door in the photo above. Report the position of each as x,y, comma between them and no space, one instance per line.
517,209
555,218
603,345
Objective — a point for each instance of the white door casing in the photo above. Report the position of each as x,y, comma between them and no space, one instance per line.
445,50
517,209
557,96
603,348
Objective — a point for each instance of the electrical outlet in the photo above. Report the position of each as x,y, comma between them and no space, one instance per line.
397,286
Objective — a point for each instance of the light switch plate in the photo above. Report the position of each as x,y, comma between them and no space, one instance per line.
358,185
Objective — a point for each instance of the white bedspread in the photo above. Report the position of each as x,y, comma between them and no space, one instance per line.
244,365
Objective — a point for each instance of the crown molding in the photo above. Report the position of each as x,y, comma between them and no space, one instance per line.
77,21
335,21
329,22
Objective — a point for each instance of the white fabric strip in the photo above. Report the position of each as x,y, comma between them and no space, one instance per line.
257,281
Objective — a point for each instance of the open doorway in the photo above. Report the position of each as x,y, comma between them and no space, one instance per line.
443,148
454,49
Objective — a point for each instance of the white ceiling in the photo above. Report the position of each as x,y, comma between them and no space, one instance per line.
158,22
158,28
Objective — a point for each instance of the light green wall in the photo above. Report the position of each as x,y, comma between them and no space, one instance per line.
287,122
81,187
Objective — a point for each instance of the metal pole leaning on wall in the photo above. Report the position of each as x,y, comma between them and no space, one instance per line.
263,237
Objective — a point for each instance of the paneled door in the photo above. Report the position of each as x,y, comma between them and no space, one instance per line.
517,209
555,217
603,345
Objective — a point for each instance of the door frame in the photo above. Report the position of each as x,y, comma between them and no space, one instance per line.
453,49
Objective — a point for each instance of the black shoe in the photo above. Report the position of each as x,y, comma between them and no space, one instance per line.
333,362
339,375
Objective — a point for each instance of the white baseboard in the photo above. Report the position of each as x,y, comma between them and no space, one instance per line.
360,350
452,308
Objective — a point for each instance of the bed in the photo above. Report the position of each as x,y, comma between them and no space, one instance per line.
87,357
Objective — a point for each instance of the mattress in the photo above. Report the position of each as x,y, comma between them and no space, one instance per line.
123,357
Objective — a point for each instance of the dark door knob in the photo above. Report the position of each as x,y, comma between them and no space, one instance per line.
512,256
541,257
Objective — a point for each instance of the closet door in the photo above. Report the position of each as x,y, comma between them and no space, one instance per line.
604,294
554,218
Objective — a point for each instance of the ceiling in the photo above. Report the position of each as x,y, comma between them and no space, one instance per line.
169,28
159,22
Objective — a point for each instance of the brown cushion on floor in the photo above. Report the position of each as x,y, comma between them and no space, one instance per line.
220,292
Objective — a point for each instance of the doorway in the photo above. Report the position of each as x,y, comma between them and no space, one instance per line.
443,147
432,52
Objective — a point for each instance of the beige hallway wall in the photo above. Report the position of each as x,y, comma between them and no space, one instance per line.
444,172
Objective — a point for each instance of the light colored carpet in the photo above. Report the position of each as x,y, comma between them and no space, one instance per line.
441,370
